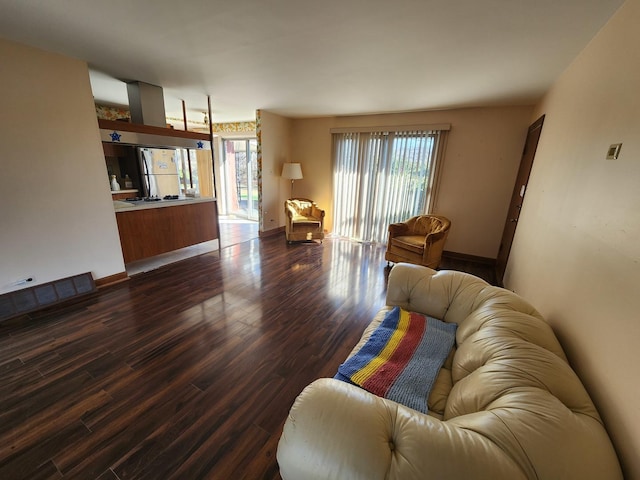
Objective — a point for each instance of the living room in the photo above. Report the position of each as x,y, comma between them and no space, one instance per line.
575,256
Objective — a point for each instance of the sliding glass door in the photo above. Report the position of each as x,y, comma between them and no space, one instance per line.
240,171
380,178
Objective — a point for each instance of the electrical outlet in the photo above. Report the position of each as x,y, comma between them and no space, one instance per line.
24,281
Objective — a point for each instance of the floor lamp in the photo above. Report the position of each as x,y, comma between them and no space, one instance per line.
291,171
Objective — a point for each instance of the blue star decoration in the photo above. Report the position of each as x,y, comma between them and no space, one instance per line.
115,136
200,145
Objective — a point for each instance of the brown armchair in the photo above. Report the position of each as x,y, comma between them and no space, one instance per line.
305,221
419,240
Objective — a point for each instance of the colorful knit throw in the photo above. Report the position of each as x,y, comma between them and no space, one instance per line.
402,357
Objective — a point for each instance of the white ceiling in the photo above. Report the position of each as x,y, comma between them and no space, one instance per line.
314,58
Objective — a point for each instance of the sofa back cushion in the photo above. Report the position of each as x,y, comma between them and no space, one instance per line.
501,339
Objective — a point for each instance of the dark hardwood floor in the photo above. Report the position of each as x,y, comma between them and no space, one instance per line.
186,372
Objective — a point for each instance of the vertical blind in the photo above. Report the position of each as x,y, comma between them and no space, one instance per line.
381,178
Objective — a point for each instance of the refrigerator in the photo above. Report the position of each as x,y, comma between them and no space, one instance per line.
159,169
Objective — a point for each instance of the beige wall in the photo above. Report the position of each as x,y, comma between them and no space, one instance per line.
576,254
57,217
478,172
276,150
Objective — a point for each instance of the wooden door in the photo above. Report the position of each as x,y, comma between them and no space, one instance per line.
517,197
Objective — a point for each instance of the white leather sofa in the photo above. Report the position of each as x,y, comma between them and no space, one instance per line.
506,404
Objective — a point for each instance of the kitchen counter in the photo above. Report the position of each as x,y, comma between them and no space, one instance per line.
150,228
122,205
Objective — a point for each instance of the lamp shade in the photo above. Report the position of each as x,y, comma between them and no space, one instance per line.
291,171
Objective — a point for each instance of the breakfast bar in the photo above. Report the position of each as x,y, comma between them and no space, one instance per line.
149,228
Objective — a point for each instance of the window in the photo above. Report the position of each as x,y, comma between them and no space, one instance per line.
381,177
240,175
196,172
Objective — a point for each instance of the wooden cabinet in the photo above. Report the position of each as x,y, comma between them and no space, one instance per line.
113,149
151,231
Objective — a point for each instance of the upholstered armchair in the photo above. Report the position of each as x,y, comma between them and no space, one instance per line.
419,240
305,221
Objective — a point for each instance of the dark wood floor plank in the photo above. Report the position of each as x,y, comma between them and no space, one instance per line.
230,462
187,371
46,471
221,450
18,380
118,434
33,428
64,395
108,475
262,465
206,422
28,462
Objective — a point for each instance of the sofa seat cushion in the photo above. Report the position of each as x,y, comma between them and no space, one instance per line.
413,243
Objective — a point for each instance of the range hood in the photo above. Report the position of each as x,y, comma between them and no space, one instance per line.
146,104
148,126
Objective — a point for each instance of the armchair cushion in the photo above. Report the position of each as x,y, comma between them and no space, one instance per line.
304,220
413,243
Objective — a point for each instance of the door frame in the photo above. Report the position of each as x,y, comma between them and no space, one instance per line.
517,197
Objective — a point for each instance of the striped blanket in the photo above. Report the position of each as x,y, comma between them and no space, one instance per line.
402,357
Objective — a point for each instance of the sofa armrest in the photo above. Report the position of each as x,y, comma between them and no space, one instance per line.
434,237
396,229
337,431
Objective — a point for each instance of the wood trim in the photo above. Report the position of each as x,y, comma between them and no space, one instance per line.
271,233
149,129
111,279
470,258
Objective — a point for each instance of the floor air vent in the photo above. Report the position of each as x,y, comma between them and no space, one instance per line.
45,295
